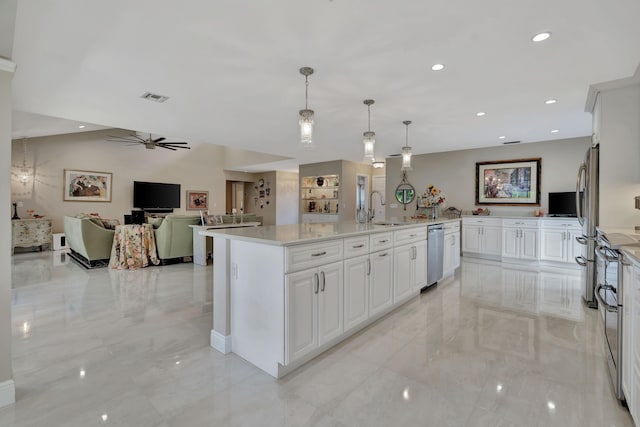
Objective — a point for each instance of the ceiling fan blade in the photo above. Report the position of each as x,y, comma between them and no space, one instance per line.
176,143
132,141
164,146
159,139
173,146
140,139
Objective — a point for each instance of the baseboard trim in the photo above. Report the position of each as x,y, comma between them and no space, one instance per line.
220,342
7,393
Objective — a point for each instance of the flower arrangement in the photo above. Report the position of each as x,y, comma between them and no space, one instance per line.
433,196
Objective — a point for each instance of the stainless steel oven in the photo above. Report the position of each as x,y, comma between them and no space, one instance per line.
608,292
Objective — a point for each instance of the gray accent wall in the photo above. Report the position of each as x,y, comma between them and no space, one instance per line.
455,173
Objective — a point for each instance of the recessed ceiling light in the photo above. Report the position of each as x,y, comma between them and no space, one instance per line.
81,127
480,114
437,67
555,131
550,101
502,137
541,37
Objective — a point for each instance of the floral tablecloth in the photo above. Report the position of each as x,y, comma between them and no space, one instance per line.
134,246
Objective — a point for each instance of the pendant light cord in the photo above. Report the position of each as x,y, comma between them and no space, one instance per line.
369,110
306,92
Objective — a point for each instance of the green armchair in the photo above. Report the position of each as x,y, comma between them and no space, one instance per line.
88,240
174,237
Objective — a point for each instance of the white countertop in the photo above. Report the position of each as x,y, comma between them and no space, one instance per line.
284,235
229,225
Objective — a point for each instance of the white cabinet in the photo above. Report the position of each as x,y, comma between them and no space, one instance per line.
558,241
410,269
356,291
629,285
381,281
451,255
634,354
520,239
314,308
482,236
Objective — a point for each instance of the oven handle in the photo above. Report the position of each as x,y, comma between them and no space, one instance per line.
603,253
581,260
581,239
608,307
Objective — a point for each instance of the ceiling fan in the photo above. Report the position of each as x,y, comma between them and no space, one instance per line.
150,143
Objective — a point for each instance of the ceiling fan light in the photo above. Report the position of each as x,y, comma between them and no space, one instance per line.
369,142
377,164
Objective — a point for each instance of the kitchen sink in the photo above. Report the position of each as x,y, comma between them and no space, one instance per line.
391,223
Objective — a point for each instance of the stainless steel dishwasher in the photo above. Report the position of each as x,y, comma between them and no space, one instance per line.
435,250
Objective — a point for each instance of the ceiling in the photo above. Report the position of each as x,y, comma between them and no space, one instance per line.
230,69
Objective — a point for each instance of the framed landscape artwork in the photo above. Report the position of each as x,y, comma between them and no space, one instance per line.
197,200
508,182
86,186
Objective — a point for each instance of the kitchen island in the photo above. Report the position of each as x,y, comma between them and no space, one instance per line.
284,294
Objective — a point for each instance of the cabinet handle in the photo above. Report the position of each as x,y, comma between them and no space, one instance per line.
412,235
319,253
358,246
383,241
384,254
317,286
324,280
368,266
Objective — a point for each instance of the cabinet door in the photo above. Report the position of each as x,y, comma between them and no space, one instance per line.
381,281
356,291
471,238
451,256
510,242
529,244
627,334
402,271
420,268
574,249
491,240
330,313
302,313
553,245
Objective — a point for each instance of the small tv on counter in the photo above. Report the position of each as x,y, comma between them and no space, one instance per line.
563,204
155,195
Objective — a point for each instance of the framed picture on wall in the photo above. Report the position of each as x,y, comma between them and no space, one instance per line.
197,200
508,182
86,186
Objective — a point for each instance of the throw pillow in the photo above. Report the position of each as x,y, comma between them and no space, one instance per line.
155,222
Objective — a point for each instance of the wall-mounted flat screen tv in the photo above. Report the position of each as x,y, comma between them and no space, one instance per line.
563,204
155,195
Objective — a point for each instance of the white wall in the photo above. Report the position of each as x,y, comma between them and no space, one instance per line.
7,390
287,198
619,137
200,168
454,172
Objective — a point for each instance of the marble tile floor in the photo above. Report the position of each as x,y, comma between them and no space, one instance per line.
495,346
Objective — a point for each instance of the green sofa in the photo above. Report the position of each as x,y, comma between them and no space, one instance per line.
87,239
228,219
174,237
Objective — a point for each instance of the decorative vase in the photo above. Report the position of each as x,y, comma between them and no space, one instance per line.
320,181
15,211
432,212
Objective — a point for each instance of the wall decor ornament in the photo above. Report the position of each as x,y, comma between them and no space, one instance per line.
509,182
86,186
197,200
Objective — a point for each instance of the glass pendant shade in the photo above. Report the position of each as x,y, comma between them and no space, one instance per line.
306,129
369,144
406,150
306,115
377,164
406,158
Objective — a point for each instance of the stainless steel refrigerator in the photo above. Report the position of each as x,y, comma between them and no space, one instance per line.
587,210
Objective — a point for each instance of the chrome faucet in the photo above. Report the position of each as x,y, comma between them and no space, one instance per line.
372,212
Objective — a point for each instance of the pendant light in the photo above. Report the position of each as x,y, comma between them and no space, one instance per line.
369,137
406,150
306,115
25,174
